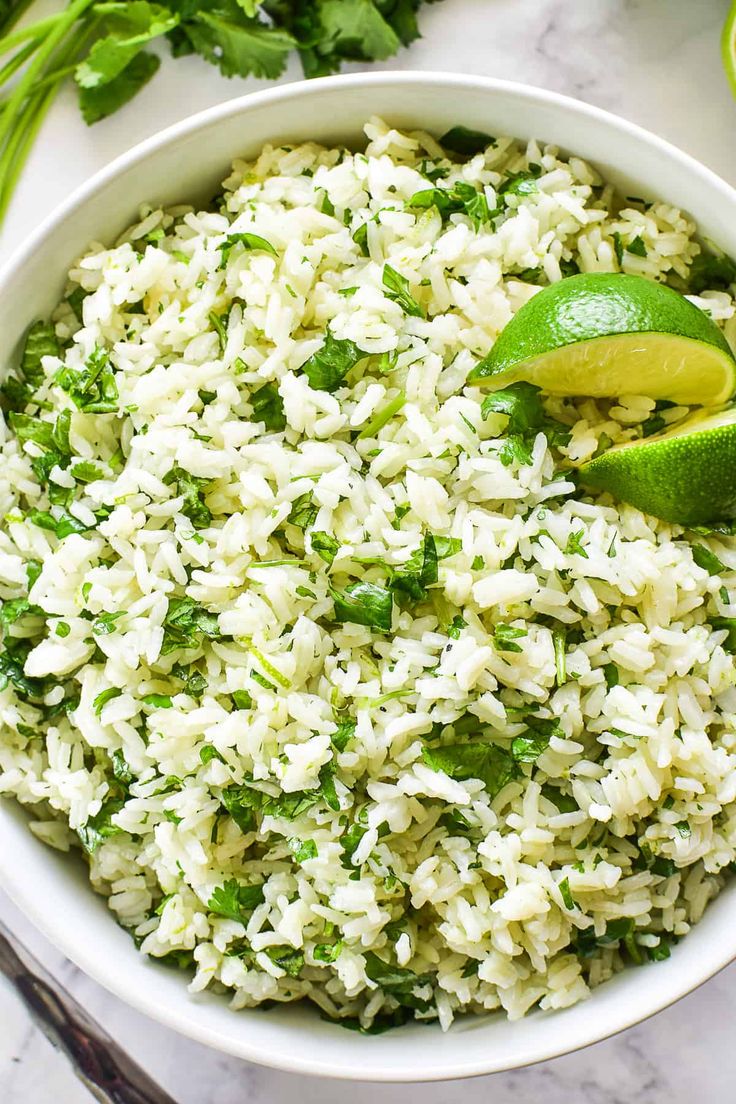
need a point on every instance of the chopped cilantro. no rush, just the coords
(157, 701)
(191, 489)
(268, 407)
(92, 389)
(711, 272)
(187, 624)
(461, 139)
(302, 850)
(326, 369)
(637, 246)
(574, 546)
(505, 637)
(250, 242)
(397, 982)
(492, 764)
(106, 623)
(396, 287)
(242, 699)
(564, 888)
(343, 734)
(383, 415)
(291, 962)
(235, 900)
(104, 697)
(325, 545)
(100, 827)
(708, 560)
(364, 604)
(559, 639)
(456, 626)
(208, 753)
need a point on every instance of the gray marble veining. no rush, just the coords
(655, 62)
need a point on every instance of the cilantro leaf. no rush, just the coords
(11, 672)
(447, 546)
(492, 764)
(396, 287)
(234, 900)
(187, 624)
(521, 183)
(85, 471)
(728, 623)
(62, 524)
(460, 197)
(468, 142)
(456, 626)
(520, 402)
(325, 545)
(243, 802)
(133, 25)
(100, 827)
(637, 247)
(332, 31)
(239, 45)
(302, 850)
(419, 572)
(364, 604)
(250, 242)
(287, 959)
(191, 489)
(711, 272)
(505, 637)
(104, 697)
(303, 511)
(397, 982)
(474, 203)
(12, 611)
(327, 368)
(708, 560)
(527, 747)
(105, 99)
(343, 734)
(27, 428)
(574, 546)
(93, 388)
(41, 341)
(157, 701)
(268, 407)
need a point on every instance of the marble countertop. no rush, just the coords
(655, 62)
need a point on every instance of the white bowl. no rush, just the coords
(188, 161)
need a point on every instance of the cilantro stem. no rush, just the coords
(383, 415)
(14, 14)
(20, 145)
(23, 91)
(36, 30)
(16, 61)
(25, 108)
(560, 657)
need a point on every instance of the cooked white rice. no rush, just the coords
(180, 697)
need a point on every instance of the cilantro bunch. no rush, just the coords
(105, 47)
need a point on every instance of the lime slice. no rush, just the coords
(685, 475)
(728, 47)
(608, 335)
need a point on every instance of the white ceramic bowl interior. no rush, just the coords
(186, 163)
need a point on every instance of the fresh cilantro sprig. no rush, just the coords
(112, 49)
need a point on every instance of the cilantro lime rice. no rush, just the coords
(317, 654)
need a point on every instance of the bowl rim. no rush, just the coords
(183, 1020)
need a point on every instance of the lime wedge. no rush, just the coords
(728, 47)
(685, 475)
(609, 335)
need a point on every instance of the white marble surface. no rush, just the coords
(653, 61)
